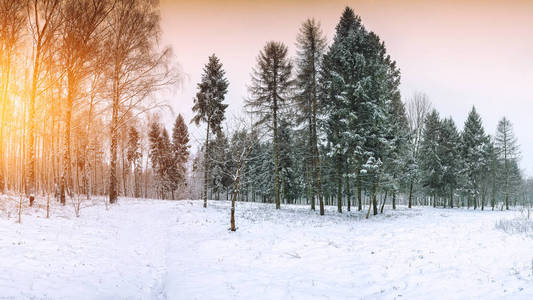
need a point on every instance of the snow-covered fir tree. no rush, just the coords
(474, 155)
(209, 107)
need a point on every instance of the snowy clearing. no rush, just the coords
(148, 249)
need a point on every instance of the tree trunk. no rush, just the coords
(348, 195)
(206, 163)
(451, 198)
(359, 200)
(30, 184)
(315, 140)
(373, 201)
(113, 195)
(339, 184)
(394, 200)
(383, 204)
(310, 164)
(276, 157)
(410, 194)
(3, 158)
(67, 169)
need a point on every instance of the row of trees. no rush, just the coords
(74, 77)
(326, 127)
(340, 134)
(169, 157)
(470, 163)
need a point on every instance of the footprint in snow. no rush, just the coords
(293, 255)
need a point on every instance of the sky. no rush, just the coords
(460, 53)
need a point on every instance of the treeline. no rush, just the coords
(75, 75)
(340, 134)
(79, 79)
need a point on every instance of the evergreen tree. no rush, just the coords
(311, 45)
(449, 153)
(169, 174)
(493, 171)
(359, 81)
(397, 162)
(430, 164)
(219, 157)
(288, 186)
(507, 151)
(180, 148)
(270, 88)
(474, 155)
(134, 158)
(155, 153)
(208, 106)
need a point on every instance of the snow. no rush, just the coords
(150, 249)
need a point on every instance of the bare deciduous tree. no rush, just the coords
(136, 68)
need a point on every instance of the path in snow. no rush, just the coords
(144, 249)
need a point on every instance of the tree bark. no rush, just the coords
(276, 157)
(339, 183)
(359, 200)
(206, 164)
(383, 204)
(410, 194)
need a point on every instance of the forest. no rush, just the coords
(334, 181)
(82, 85)
(330, 127)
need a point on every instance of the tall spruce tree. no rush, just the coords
(180, 148)
(209, 108)
(339, 76)
(311, 45)
(169, 174)
(431, 165)
(155, 153)
(449, 153)
(397, 158)
(359, 81)
(474, 155)
(270, 88)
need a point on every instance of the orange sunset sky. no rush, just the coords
(460, 53)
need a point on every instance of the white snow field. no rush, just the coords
(149, 249)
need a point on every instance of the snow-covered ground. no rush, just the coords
(148, 249)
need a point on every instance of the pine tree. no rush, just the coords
(431, 165)
(311, 45)
(492, 172)
(359, 81)
(449, 153)
(288, 186)
(270, 88)
(397, 158)
(134, 158)
(208, 106)
(155, 153)
(219, 157)
(180, 149)
(339, 76)
(474, 155)
(507, 151)
(169, 174)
